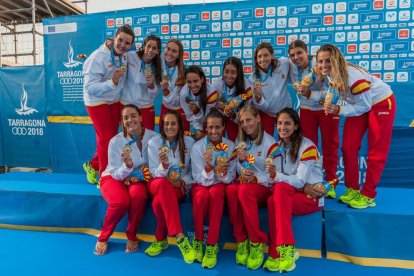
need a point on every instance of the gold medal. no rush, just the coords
(166, 78)
(307, 80)
(210, 147)
(123, 68)
(269, 161)
(165, 149)
(321, 188)
(296, 85)
(257, 83)
(242, 145)
(127, 149)
(147, 72)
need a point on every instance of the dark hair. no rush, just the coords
(298, 44)
(157, 59)
(239, 84)
(126, 29)
(202, 99)
(124, 131)
(296, 138)
(242, 134)
(274, 63)
(214, 113)
(179, 62)
(180, 134)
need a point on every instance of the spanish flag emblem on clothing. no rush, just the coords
(310, 153)
(212, 98)
(360, 87)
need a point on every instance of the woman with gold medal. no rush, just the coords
(169, 162)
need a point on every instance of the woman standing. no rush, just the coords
(104, 74)
(123, 183)
(144, 78)
(371, 107)
(296, 174)
(169, 162)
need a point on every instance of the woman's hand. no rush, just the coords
(271, 170)
(126, 158)
(304, 91)
(248, 176)
(312, 191)
(194, 108)
(241, 154)
(258, 93)
(331, 108)
(164, 160)
(208, 160)
(117, 75)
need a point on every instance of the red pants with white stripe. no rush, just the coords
(105, 119)
(268, 123)
(285, 202)
(180, 111)
(121, 199)
(311, 121)
(165, 199)
(236, 212)
(251, 197)
(208, 200)
(379, 122)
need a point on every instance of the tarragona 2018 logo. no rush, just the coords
(71, 63)
(24, 109)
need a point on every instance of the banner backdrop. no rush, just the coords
(23, 117)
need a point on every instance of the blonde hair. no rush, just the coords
(242, 134)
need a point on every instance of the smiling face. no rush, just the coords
(151, 50)
(285, 126)
(170, 127)
(299, 57)
(171, 53)
(214, 128)
(250, 124)
(324, 62)
(194, 82)
(122, 43)
(230, 75)
(131, 120)
(264, 59)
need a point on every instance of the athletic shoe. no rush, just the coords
(198, 248)
(255, 259)
(210, 258)
(362, 202)
(349, 195)
(156, 248)
(242, 252)
(331, 193)
(288, 256)
(187, 251)
(92, 175)
(272, 264)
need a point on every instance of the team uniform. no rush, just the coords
(227, 93)
(208, 191)
(288, 198)
(101, 98)
(313, 117)
(122, 198)
(197, 120)
(136, 91)
(172, 100)
(371, 107)
(244, 199)
(275, 94)
(164, 204)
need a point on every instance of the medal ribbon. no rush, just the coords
(269, 71)
(169, 72)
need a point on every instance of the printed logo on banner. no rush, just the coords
(138, 31)
(329, 8)
(256, 24)
(372, 17)
(391, 16)
(237, 25)
(222, 54)
(281, 22)
(195, 44)
(340, 19)
(385, 35)
(186, 55)
(305, 38)
(292, 38)
(299, 10)
(406, 64)
(226, 26)
(389, 64)
(353, 18)
(165, 29)
(403, 33)
(155, 19)
(391, 4)
(377, 47)
(215, 71)
(351, 48)
(244, 13)
(195, 55)
(314, 49)
(377, 75)
(175, 17)
(128, 21)
(376, 65)
(328, 20)
(226, 14)
(237, 42)
(186, 44)
(110, 23)
(205, 16)
(165, 18)
(259, 12)
(216, 15)
(405, 4)
(404, 15)
(142, 20)
(247, 53)
(203, 27)
(402, 76)
(364, 64)
(247, 69)
(119, 22)
(175, 29)
(151, 30)
(270, 23)
(365, 35)
(270, 11)
(226, 43)
(341, 7)
(359, 6)
(211, 43)
(317, 8)
(282, 11)
(396, 47)
(364, 48)
(185, 28)
(378, 4)
(237, 53)
(311, 21)
(322, 38)
(190, 17)
(268, 39)
(352, 36)
(71, 63)
(216, 27)
(24, 109)
(293, 22)
(205, 55)
(389, 77)
(206, 70)
(281, 40)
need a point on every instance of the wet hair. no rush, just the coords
(179, 62)
(242, 134)
(180, 134)
(202, 99)
(296, 138)
(124, 131)
(239, 83)
(274, 63)
(126, 29)
(157, 59)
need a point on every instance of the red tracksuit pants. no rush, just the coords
(268, 123)
(208, 200)
(122, 198)
(165, 207)
(148, 117)
(285, 202)
(379, 122)
(250, 198)
(180, 111)
(232, 129)
(105, 119)
(311, 121)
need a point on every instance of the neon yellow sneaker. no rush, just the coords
(198, 248)
(362, 202)
(272, 264)
(331, 193)
(255, 259)
(187, 251)
(242, 252)
(348, 195)
(91, 173)
(156, 248)
(210, 258)
(288, 257)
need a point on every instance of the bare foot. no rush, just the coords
(100, 248)
(131, 246)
